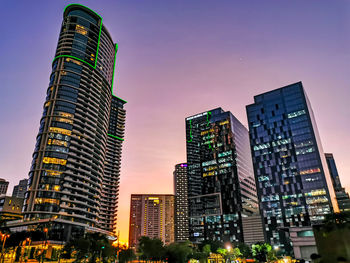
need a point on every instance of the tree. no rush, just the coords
(151, 248)
(178, 252)
(126, 255)
(245, 250)
(260, 251)
(90, 248)
(222, 251)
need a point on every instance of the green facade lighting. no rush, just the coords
(121, 139)
(191, 135)
(208, 114)
(115, 58)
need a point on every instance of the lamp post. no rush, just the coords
(103, 247)
(46, 230)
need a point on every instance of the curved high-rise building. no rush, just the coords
(74, 176)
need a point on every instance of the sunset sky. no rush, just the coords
(177, 58)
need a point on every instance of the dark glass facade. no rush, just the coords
(181, 202)
(70, 179)
(340, 192)
(294, 186)
(221, 187)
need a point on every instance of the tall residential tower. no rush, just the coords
(221, 186)
(181, 202)
(74, 175)
(294, 186)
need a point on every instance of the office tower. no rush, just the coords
(151, 216)
(3, 186)
(221, 187)
(20, 189)
(294, 186)
(73, 179)
(181, 202)
(340, 193)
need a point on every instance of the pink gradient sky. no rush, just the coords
(176, 59)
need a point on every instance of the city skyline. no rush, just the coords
(315, 54)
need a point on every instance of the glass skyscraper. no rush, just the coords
(221, 186)
(294, 186)
(74, 175)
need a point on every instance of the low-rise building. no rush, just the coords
(303, 241)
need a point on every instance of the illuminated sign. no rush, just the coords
(198, 115)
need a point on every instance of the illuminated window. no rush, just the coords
(80, 29)
(310, 171)
(261, 146)
(54, 160)
(263, 178)
(73, 60)
(296, 114)
(52, 173)
(205, 132)
(64, 120)
(316, 192)
(60, 130)
(223, 154)
(57, 142)
(209, 163)
(305, 150)
(223, 122)
(46, 200)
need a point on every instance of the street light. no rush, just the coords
(103, 247)
(46, 230)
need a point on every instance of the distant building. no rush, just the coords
(10, 208)
(294, 186)
(3, 186)
(221, 186)
(181, 202)
(20, 189)
(151, 216)
(340, 193)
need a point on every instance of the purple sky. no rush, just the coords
(175, 59)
